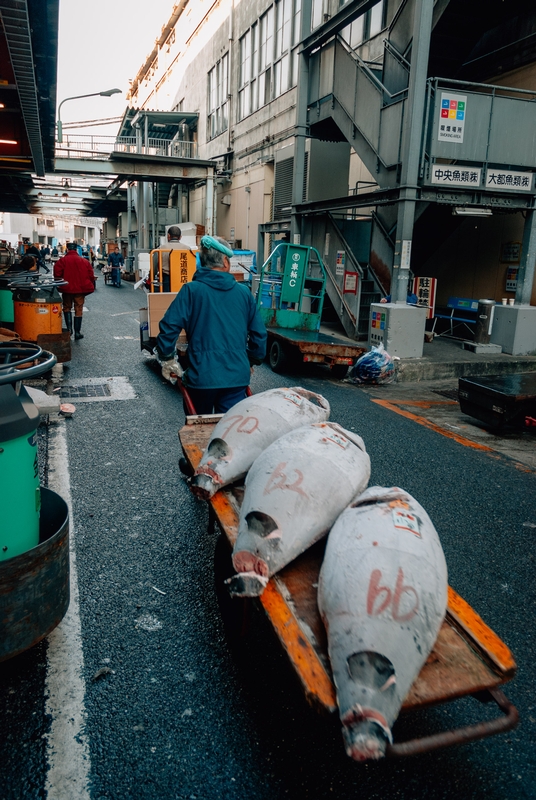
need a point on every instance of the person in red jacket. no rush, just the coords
(80, 278)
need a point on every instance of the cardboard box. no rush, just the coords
(157, 305)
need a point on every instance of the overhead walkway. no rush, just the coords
(152, 147)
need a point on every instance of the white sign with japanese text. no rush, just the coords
(506, 179)
(452, 112)
(447, 175)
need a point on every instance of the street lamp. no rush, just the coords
(107, 93)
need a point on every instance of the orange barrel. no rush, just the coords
(37, 310)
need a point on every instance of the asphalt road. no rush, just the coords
(177, 712)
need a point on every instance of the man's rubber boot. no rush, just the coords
(77, 326)
(68, 317)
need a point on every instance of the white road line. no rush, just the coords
(67, 745)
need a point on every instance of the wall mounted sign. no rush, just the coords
(452, 112)
(447, 175)
(350, 282)
(511, 279)
(511, 252)
(340, 261)
(507, 179)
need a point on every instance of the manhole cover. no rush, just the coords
(94, 390)
(451, 394)
(87, 390)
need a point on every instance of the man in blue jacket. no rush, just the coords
(116, 261)
(226, 336)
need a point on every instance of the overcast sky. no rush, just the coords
(102, 44)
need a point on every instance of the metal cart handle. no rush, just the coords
(470, 733)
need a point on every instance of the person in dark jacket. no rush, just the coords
(226, 336)
(116, 261)
(80, 278)
(34, 251)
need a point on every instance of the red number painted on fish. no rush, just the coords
(242, 424)
(279, 480)
(389, 597)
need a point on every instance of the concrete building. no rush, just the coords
(397, 138)
(50, 229)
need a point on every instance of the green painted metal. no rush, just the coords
(21, 498)
(6, 305)
(294, 274)
(292, 287)
(292, 320)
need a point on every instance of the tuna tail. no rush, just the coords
(203, 486)
(366, 732)
(366, 739)
(246, 584)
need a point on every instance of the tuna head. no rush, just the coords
(207, 480)
(366, 732)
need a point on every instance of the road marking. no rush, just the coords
(123, 313)
(391, 405)
(67, 746)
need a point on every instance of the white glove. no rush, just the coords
(170, 368)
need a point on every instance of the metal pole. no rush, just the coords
(209, 203)
(411, 145)
(300, 134)
(145, 215)
(146, 133)
(129, 222)
(153, 217)
(525, 275)
(156, 217)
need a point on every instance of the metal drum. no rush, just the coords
(37, 310)
(34, 586)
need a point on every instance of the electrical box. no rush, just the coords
(400, 328)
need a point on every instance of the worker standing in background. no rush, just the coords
(116, 261)
(80, 278)
(226, 335)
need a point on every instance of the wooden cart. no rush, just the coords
(468, 657)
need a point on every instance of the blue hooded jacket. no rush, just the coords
(224, 329)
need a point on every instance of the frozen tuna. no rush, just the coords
(382, 595)
(294, 492)
(250, 427)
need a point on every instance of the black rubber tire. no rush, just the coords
(279, 357)
(339, 371)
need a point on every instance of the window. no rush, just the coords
(266, 49)
(375, 19)
(268, 56)
(366, 26)
(218, 90)
(317, 15)
(244, 82)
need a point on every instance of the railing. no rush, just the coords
(337, 74)
(100, 148)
